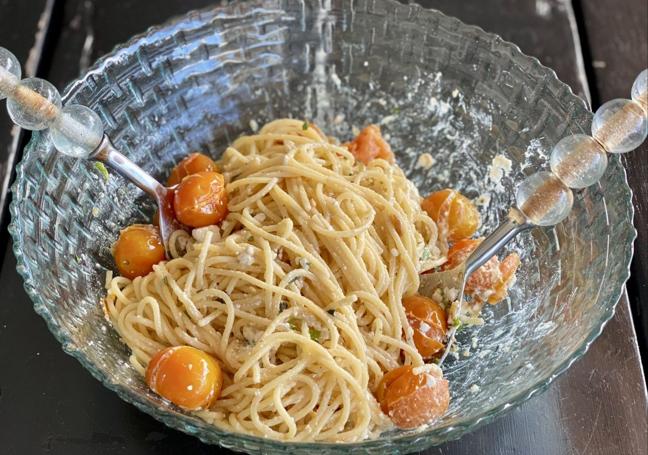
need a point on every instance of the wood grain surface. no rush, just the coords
(50, 404)
(617, 37)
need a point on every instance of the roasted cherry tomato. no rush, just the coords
(412, 397)
(186, 376)
(200, 199)
(491, 281)
(454, 212)
(191, 164)
(429, 323)
(369, 145)
(137, 250)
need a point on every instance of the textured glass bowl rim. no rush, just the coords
(240, 441)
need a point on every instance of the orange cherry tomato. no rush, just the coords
(191, 164)
(454, 212)
(186, 376)
(369, 145)
(137, 250)
(412, 397)
(491, 281)
(429, 323)
(200, 199)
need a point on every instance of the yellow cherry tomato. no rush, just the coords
(191, 164)
(454, 212)
(200, 199)
(412, 397)
(137, 250)
(186, 376)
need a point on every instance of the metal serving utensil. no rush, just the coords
(457, 277)
(544, 199)
(163, 195)
(76, 131)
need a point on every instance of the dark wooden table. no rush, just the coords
(50, 404)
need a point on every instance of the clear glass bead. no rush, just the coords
(640, 89)
(620, 125)
(77, 131)
(30, 111)
(578, 160)
(544, 199)
(11, 65)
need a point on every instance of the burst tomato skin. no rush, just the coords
(412, 398)
(491, 281)
(428, 320)
(369, 145)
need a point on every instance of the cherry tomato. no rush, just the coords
(454, 211)
(369, 145)
(186, 376)
(491, 281)
(412, 397)
(191, 164)
(200, 199)
(137, 250)
(429, 323)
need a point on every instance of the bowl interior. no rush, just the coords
(434, 85)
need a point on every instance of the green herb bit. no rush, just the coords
(456, 322)
(314, 334)
(102, 170)
(305, 125)
(283, 306)
(294, 323)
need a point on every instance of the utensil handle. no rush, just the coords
(505, 232)
(75, 130)
(578, 161)
(35, 104)
(107, 153)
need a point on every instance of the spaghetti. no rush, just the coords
(297, 293)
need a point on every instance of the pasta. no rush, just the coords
(299, 280)
(297, 292)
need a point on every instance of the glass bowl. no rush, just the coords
(434, 84)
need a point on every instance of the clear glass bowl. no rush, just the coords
(435, 84)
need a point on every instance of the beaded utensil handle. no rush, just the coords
(76, 131)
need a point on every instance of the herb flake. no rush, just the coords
(426, 254)
(305, 125)
(102, 170)
(293, 323)
(314, 334)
